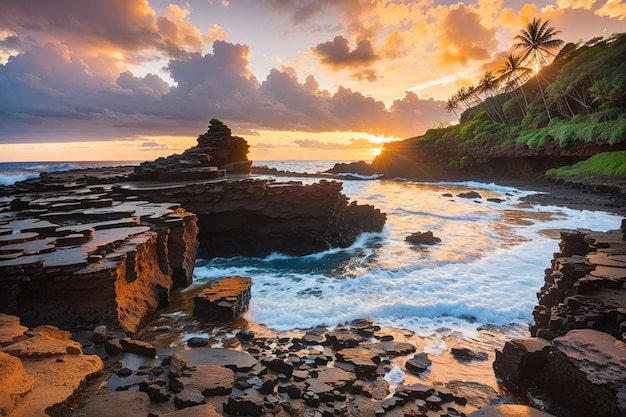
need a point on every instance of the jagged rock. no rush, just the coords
(14, 383)
(216, 152)
(188, 399)
(113, 347)
(224, 300)
(177, 364)
(157, 393)
(425, 238)
(521, 360)
(465, 354)
(100, 253)
(587, 370)
(509, 410)
(138, 347)
(340, 338)
(474, 393)
(255, 217)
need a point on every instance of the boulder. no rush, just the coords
(587, 370)
(224, 300)
(521, 360)
(209, 380)
(138, 347)
(423, 238)
(418, 363)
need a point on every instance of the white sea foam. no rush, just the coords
(486, 270)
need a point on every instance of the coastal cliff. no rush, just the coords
(107, 246)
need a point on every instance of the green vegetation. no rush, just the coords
(605, 163)
(579, 97)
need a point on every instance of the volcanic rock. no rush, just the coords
(418, 363)
(115, 404)
(587, 370)
(209, 380)
(521, 360)
(138, 347)
(224, 300)
(425, 238)
(217, 151)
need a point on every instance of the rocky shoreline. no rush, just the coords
(101, 251)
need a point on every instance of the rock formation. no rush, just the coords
(253, 217)
(90, 247)
(581, 311)
(40, 369)
(216, 153)
(84, 257)
(224, 300)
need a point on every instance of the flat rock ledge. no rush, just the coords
(577, 352)
(41, 369)
(224, 300)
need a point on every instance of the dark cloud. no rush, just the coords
(10, 42)
(338, 55)
(47, 90)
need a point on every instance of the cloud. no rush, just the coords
(91, 27)
(46, 88)
(337, 53)
(464, 38)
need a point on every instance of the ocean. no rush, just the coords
(484, 274)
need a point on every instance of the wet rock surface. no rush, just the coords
(578, 354)
(224, 300)
(287, 376)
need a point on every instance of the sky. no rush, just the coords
(298, 79)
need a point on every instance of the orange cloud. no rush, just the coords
(464, 38)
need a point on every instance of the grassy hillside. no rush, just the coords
(585, 101)
(605, 164)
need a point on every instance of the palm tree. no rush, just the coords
(537, 41)
(514, 74)
(489, 85)
(452, 104)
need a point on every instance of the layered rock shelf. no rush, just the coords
(577, 352)
(106, 246)
(224, 300)
(254, 217)
(86, 257)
